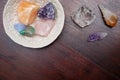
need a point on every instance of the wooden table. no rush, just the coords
(70, 57)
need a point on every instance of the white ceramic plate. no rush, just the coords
(10, 18)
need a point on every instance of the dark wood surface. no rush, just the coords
(70, 57)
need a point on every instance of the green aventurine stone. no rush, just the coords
(22, 32)
(29, 31)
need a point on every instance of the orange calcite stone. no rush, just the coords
(27, 12)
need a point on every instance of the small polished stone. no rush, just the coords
(19, 27)
(29, 31)
(22, 32)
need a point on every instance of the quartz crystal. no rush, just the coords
(84, 16)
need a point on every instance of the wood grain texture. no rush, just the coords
(70, 57)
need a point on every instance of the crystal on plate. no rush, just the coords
(43, 27)
(47, 12)
(27, 12)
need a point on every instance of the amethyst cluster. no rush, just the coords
(47, 12)
(97, 36)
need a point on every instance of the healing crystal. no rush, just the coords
(97, 36)
(44, 27)
(109, 17)
(29, 31)
(27, 12)
(83, 16)
(47, 12)
(19, 27)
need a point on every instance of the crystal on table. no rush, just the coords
(109, 17)
(84, 16)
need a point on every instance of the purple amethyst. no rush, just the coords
(47, 12)
(97, 36)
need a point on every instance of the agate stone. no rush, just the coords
(29, 31)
